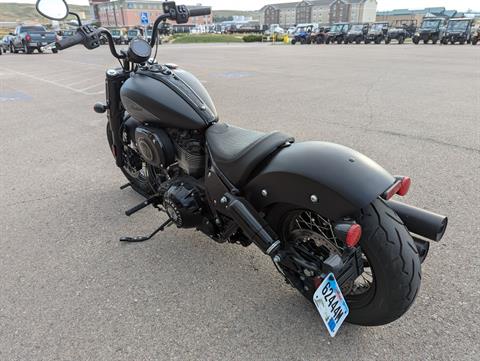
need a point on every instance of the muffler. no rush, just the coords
(426, 224)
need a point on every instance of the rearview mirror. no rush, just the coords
(53, 9)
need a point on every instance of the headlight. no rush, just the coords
(417, 34)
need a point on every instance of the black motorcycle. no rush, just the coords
(322, 212)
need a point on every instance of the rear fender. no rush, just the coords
(330, 179)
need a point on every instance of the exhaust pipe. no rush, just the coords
(426, 224)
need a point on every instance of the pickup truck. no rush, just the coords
(28, 38)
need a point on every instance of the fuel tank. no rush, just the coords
(168, 98)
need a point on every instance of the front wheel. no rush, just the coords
(136, 173)
(392, 273)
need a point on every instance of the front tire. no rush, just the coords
(138, 180)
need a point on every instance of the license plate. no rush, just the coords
(331, 304)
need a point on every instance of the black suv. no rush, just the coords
(377, 33)
(458, 31)
(338, 33)
(357, 33)
(431, 29)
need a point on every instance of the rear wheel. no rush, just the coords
(391, 277)
(401, 40)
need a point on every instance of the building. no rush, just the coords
(404, 16)
(319, 11)
(126, 13)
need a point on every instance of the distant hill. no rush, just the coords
(225, 15)
(14, 12)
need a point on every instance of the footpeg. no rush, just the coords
(125, 186)
(142, 205)
(146, 238)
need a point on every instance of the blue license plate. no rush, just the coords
(331, 304)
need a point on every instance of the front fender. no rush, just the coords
(339, 178)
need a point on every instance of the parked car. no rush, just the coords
(30, 38)
(377, 33)
(432, 29)
(303, 34)
(458, 30)
(338, 33)
(291, 30)
(319, 35)
(400, 33)
(134, 33)
(5, 44)
(66, 33)
(275, 29)
(357, 34)
(166, 29)
(119, 36)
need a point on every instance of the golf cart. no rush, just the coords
(357, 34)
(431, 29)
(303, 34)
(338, 33)
(475, 35)
(400, 32)
(458, 30)
(377, 33)
(319, 35)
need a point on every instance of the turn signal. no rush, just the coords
(353, 235)
(400, 187)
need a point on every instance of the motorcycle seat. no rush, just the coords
(237, 151)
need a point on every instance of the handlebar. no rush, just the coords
(200, 11)
(66, 43)
(89, 36)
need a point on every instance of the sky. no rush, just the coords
(460, 5)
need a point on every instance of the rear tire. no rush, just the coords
(391, 255)
(394, 259)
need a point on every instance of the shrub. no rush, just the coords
(252, 38)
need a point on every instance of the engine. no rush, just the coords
(153, 144)
(183, 203)
(190, 151)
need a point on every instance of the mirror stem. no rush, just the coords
(78, 18)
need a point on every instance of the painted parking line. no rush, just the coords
(48, 81)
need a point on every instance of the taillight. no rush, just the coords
(405, 186)
(28, 37)
(400, 187)
(348, 232)
(353, 235)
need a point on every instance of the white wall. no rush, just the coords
(369, 11)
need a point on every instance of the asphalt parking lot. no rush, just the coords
(70, 291)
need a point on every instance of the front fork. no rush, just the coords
(115, 111)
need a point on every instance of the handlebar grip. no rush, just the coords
(199, 10)
(70, 41)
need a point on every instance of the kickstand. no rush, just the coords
(146, 238)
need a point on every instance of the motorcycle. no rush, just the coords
(322, 212)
